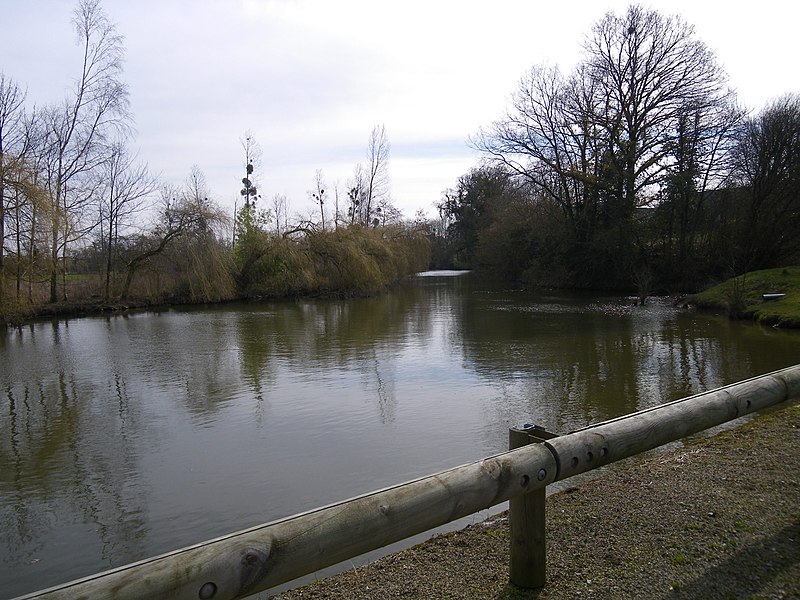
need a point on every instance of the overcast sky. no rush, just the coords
(310, 78)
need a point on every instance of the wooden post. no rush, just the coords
(526, 520)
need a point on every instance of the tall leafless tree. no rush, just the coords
(280, 212)
(252, 162)
(245, 218)
(768, 166)
(182, 212)
(702, 158)
(535, 139)
(318, 194)
(650, 70)
(78, 131)
(608, 138)
(126, 189)
(30, 204)
(376, 180)
(12, 151)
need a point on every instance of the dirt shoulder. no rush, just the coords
(717, 518)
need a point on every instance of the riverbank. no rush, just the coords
(742, 297)
(716, 518)
(66, 310)
(739, 298)
(14, 316)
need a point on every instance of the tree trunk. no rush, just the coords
(2, 239)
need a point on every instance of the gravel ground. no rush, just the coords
(717, 518)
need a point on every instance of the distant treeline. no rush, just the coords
(637, 170)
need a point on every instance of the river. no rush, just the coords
(127, 436)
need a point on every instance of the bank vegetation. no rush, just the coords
(85, 226)
(636, 171)
(771, 297)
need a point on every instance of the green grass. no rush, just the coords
(741, 297)
(678, 559)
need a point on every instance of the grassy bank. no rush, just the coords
(345, 262)
(742, 297)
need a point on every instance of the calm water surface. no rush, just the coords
(125, 437)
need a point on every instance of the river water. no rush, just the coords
(128, 436)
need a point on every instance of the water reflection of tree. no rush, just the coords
(566, 363)
(210, 376)
(190, 355)
(317, 336)
(255, 341)
(706, 351)
(64, 484)
(381, 378)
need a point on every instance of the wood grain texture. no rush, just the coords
(260, 558)
(638, 432)
(526, 517)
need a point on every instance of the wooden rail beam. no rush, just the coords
(256, 559)
(632, 434)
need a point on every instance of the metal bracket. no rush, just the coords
(536, 433)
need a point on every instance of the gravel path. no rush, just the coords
(717, 518)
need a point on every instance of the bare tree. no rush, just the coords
(319, 195)
(12, 150)
(280, 211)
(30, 205)
(244, 218)
(768, 166)
(620, 110)
(551, 137)
(387, 213)
(376, 180)
(701, 162)
(611, 136)
(356, 195)
(252, 162)
(127, 186)
(181, 213)
(77, 132)
(337, 217)
(650, 70)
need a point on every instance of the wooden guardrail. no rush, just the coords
(256, 559)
